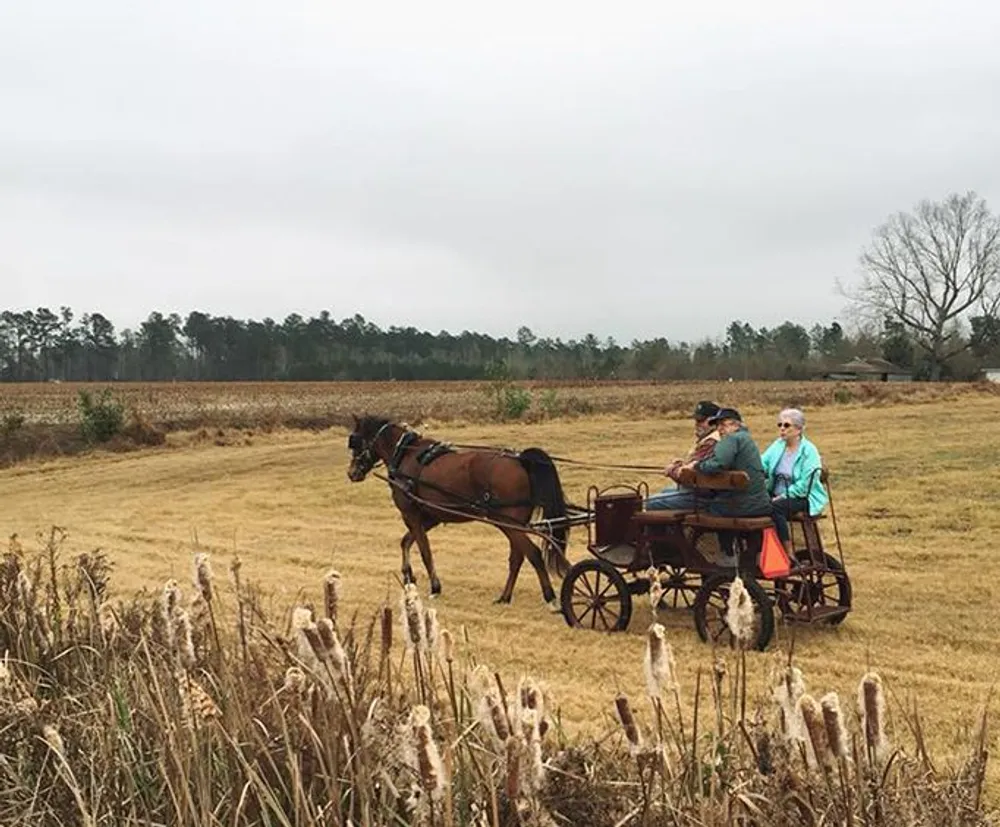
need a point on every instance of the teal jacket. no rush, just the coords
(805, 480)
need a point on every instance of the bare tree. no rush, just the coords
(929, 270)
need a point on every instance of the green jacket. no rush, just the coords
(806, 469)
(738, 452)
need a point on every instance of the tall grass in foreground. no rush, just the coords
(174, 708)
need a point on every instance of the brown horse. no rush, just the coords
(495, 485)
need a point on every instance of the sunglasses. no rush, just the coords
(785, 425)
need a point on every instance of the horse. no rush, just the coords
(433, 483)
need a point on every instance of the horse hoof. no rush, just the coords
(501, 600)
(554, 606)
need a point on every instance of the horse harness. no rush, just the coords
(408, 483)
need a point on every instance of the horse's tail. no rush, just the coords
(547, 492)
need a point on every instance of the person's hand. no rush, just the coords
(672, 467)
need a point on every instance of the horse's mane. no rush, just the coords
(370, 424)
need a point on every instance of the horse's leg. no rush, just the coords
(405, 544)
(514, 562)
(420, 535)
(534, 555)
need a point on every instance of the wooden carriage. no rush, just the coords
(689, 559)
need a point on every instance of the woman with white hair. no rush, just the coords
(792, 464)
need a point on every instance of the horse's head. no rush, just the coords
(363, 443)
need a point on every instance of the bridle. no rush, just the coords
(365, 458)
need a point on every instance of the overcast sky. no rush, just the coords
(627, 169)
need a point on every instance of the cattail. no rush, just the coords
(532, 768)
(872, 706)
(659, 662)
(326, 632)
(386, 629)
(295, 681)
(301, 617)
(428, 756)
(836, 735)
(448, 645)
(414, 632)
(718, 672)
(513, 768)
(812, 717)
(331, 593)
(431, 629)
(183, 638)
(334, 650)
(302, 621)
(655, 588)
(496, 716)
(203, 576)
(54, 740)
(311, 634)
(765, 763)
(787, 694)
(25, 588)
(532, 697)
(171, 598)
(739, 612)
(628, 724)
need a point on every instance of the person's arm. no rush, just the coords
(722, 457)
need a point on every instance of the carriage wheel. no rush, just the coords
(595, 596)
(680, 587)
(710, 612)
(814, 593)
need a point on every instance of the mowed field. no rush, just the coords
(916, 489)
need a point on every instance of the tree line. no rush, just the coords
(43, 345)
(928, 301)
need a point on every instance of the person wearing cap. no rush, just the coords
(735, 451)
(706, 436)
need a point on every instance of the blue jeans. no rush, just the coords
(672, 499)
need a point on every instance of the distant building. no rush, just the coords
(870, 370)
(990, 374)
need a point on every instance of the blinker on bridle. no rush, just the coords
(365, 451)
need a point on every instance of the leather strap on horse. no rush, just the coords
(525, 527)
(566, 460)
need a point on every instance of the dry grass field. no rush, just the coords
(915, 486)
(186, 405)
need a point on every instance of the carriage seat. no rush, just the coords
(665, 517)
(717, 523)
(802, 517)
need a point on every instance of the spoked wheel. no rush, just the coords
(710, 613)
(822, 596)
(680, 587)
(595, 596)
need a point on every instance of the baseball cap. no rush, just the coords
(726, 413)
(705, 409)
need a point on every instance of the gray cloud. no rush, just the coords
(577, 169)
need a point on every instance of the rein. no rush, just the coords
(566, 460)
(525, 527)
